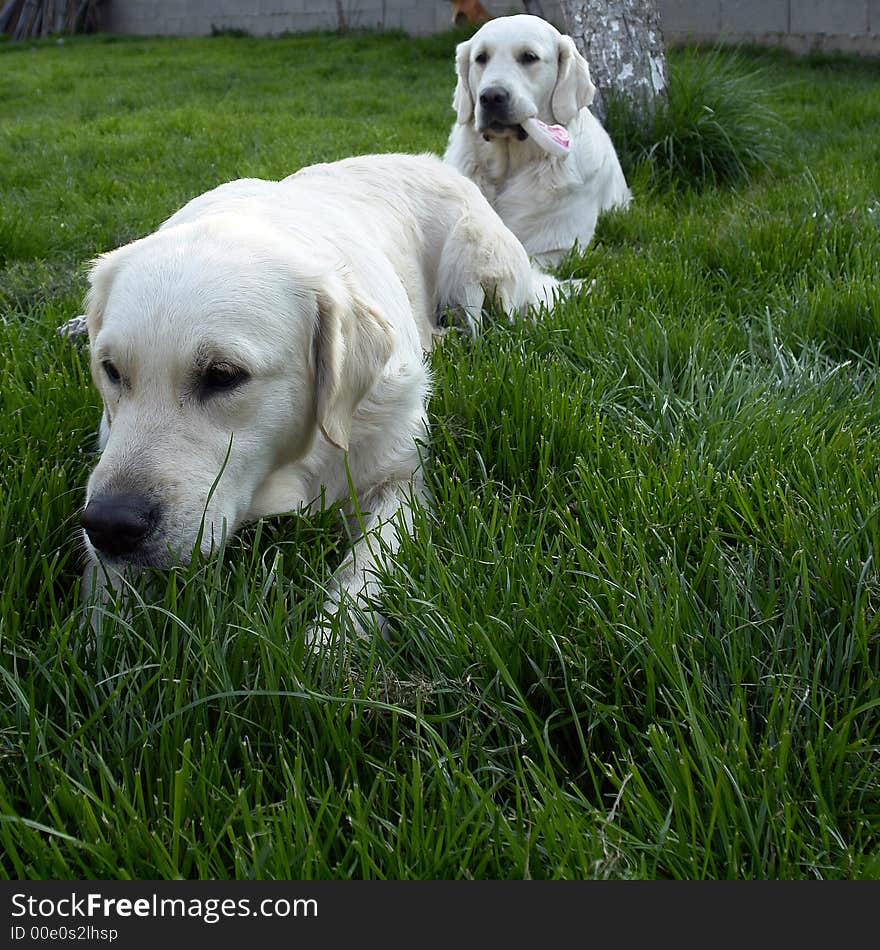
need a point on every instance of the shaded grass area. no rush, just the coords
(638, 634)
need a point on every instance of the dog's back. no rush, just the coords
(391, 205)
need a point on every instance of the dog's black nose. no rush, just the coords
(494, 98)
(116, 524)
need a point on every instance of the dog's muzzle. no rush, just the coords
(495, 117)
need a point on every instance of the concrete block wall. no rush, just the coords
(800, 25)
(271, 17)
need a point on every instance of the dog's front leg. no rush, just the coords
(383, 517)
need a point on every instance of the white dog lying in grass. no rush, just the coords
(517, 76)
(264, 348)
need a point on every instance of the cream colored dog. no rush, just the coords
(512, 70)
(264, 348)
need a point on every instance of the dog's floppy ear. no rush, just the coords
(352, 344)
(102, 270)
(462, 100)
(574, 88)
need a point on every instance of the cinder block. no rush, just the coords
(416, 21)
(167, 10)
(374, 16)
(325, 20)
(204, 24)
(230, 8)
(372, 20)
(227, 21)
(165, 26)
(442, 17)
(685, 16)
(754, 16)
(829, 16)
(279, 23)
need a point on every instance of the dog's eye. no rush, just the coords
(528, 57)
(221, 377)
(481, 58)
(112, 372)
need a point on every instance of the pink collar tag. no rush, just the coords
(554, 139)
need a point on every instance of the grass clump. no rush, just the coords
(717, 125)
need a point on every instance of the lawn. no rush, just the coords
(637, 636)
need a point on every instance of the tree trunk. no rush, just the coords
(28, 19)
(534, 7)
(623, 43)
(341, 17)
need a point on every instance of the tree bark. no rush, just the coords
(623, 43)
(28, 19)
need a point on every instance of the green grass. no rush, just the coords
(638, 634)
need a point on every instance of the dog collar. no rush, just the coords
(554, 139)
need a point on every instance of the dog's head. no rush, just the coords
(517, 67)
(219, 356)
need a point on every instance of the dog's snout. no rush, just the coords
(117, 524)
(494, 98)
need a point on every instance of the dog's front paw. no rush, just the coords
(75, 327)
(343, 617)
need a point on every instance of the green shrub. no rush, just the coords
(717, 126)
